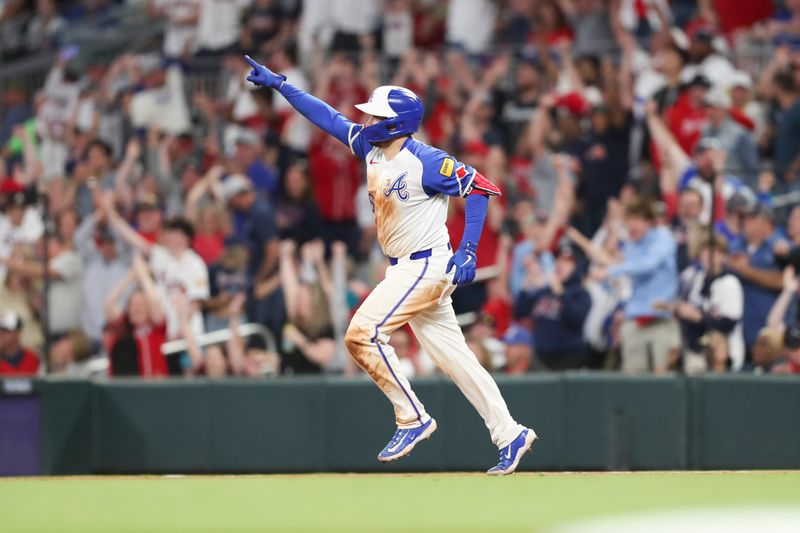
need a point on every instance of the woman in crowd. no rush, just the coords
(296, 214)
(136, 333)
(308, 337)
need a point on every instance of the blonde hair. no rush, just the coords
(319, 319)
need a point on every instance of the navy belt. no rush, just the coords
(422, 254)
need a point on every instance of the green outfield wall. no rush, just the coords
(586, 421)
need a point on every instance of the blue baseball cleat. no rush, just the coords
(511, 454)
(404, 441)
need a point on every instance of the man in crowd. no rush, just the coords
(650, 336)
(740, 147)
(519, 350)
(787, 135)
(14, 359)
(254, 223)
(558, 310)
(755, 265)
(105, 263)
(66, 276)
(19, 222)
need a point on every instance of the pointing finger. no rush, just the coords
(252, 62)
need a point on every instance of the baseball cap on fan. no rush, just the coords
(760, 210)
(707, 143)
(148, 202)
(717, 97)
(516, 334)
(10, 321)
(742, 79)
(12, 193)
(738, 204)
(235, 185)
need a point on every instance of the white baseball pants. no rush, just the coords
(411, 293)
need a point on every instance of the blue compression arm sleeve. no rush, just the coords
(325, 117)
(474, 216)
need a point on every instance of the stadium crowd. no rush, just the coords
(649, 160)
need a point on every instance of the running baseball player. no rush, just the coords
(409, 184)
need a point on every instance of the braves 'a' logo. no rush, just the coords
(399, 186)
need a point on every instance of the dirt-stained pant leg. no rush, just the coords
(438, 332)
(409, 288)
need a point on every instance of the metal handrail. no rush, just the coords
(251, 329)
(786, 199)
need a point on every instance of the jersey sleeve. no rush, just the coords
(327, 119)
(197, 281)
(443, 174)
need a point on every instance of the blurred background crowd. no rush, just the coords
(155, 205)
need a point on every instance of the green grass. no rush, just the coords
(354, 503)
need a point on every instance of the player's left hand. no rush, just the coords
(261, 75)
(464, 261)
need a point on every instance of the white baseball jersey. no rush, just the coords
(188, 276)
(28, 232)
(409, 196)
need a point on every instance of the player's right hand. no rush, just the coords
(261, 75)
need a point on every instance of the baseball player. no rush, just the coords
(409, 184)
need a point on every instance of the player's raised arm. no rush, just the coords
(318, 112)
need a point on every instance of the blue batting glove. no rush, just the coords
(261, 75)
(464, 262)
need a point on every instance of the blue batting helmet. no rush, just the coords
(402, 111)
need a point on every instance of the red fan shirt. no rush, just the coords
(23, 363)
